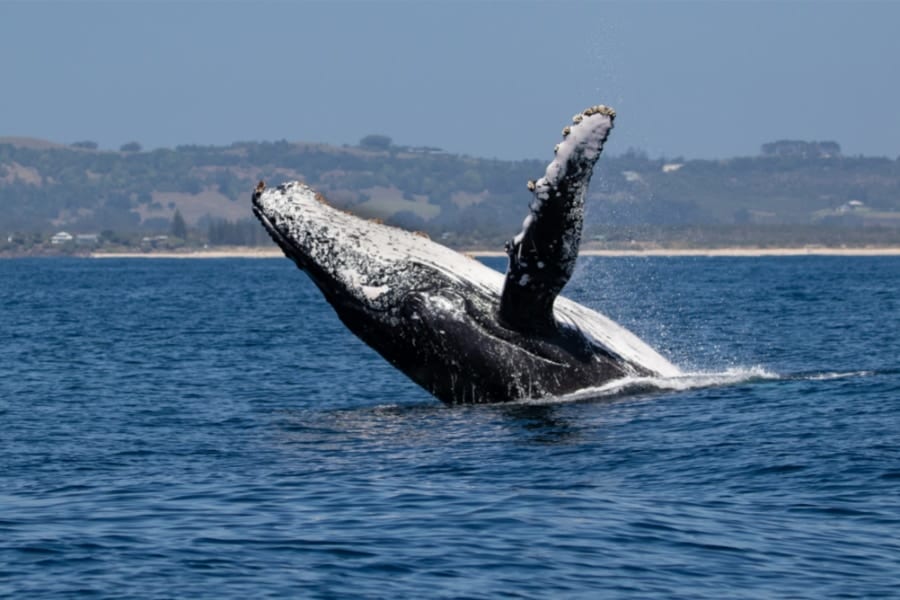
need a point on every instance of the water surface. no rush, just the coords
(209, 429)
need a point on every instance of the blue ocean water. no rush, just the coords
(209, 429)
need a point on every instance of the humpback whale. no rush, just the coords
(464, 332)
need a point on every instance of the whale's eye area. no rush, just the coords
(412, 306)
(431, 303)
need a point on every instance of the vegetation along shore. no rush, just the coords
(78, 199)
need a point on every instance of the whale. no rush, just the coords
(463, 331)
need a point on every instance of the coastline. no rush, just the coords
(230, 252)
(257, 253)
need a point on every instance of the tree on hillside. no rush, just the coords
(245, 232)
(86, 145)
(179, 227)
(130, 147)
(376, 141)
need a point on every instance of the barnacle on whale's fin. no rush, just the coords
(542, 256)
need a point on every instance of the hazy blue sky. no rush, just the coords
(701, 79)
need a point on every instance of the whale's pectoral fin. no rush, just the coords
(542, 256)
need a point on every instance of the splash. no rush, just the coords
(629, 386)
(634, 386)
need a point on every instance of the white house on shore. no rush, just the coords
(64, 237)
(61, 238)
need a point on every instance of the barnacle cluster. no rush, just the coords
(600, 109)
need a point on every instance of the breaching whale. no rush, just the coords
(461, 330)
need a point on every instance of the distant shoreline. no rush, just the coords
(670, 252)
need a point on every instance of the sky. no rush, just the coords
(489, 79)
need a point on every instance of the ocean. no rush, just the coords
(209, 429)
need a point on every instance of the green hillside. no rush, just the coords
(793, 191)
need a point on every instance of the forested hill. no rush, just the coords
(46, 187)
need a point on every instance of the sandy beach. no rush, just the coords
(237, 252)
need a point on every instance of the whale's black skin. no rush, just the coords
(457, 328)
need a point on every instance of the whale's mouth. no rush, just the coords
(259, 212)
(279, 238)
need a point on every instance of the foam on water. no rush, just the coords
(687, 381)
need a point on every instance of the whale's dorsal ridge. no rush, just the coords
(542, 256)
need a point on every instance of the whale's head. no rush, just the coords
(334, 248)
(359, 265)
